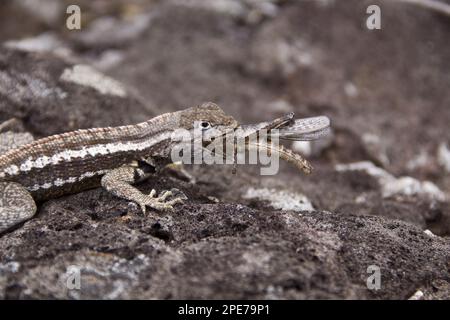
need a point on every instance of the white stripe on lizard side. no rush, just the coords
(60, 182)
(68, 155)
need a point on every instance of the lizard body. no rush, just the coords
(115, 157)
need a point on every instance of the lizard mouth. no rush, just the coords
(265, 136)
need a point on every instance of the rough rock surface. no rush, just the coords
(244, 235)
(49, 95)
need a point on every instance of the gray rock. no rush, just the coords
(213, 251)
(32, 88)
(225, 242)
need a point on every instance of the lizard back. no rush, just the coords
(57, 165)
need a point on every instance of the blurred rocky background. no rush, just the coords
(379, 194)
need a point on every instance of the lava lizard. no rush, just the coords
(118, 157)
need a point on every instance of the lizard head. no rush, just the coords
(208, 118)
(197, 128)
(215, 126)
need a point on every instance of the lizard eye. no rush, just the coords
(205, 125)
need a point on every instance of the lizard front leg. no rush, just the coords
(16, 205)
(119, 182)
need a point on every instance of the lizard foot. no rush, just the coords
(16, 205)
(162, 202)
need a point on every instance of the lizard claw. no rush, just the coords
(161, 202)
